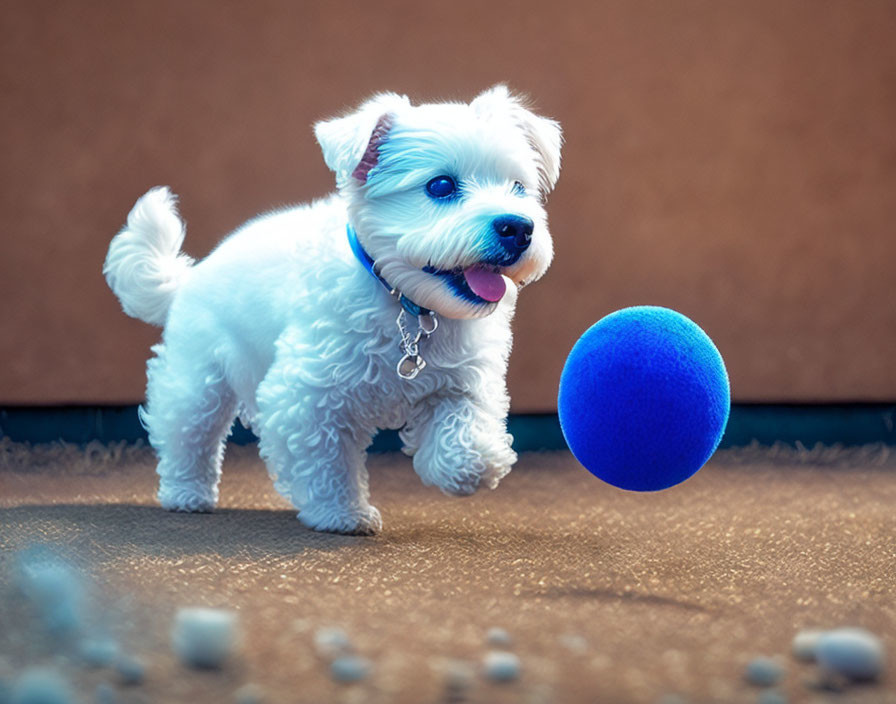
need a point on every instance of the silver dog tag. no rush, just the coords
(410, 366)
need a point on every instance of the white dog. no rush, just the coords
(386, 305)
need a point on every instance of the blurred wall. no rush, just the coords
(735, 161)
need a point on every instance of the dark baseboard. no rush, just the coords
(808, 424)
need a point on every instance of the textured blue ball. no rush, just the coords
(644, 398)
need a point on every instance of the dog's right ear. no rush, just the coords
(543, 134)
(349, 143)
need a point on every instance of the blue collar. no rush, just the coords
(367, 262)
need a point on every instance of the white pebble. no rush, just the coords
(249, 694)
(55, 588)
(852, 652)
(331, 642)
(41, 686)
(204, 637)
(772, 696)
(350, 668)
(763, 671)
(803, 645)
(498, 636)
(501, 667)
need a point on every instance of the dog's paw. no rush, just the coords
(329, 519)
(496, 471)
(498, 463)
(494, 475)
(187, 500)
(465, 474)
(461, 484)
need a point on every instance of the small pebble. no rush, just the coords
(350, 668)
(130, 670)
(331, 642)
(40, 685)
(763, 671)
(249, 694)
(852, 652)
(499, 637)
(803, 645)
(772, 696)
(98, 652)
(55, 589)
(204, 637)
(105, 694)
(501, 667)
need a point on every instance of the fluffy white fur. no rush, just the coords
(282, 325)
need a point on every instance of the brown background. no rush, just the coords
(735, 161)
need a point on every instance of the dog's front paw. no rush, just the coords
(461, 484)
(461, 473)
(494, 474)
(499, 459)
(365, 520)
(186, 499)
(498, 466)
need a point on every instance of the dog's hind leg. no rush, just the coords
(189, 411)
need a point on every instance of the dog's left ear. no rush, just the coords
(348, 141)
(545, 135)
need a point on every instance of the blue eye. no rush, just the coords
(441, 187)
(518, 188)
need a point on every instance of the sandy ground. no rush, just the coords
(609, 596)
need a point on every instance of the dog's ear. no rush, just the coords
(543, 134)
(349, 143)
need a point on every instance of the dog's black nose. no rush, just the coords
(515, 232)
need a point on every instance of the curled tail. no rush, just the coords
(144, 266)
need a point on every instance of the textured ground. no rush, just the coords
(609, 596)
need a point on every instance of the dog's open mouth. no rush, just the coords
(480, 283)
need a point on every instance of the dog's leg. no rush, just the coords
(320, 467)
(189, 411)
(460, 442)
(314, 450)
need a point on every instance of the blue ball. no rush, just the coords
(644, 398)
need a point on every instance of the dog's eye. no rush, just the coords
(441, 187)
(518, 188)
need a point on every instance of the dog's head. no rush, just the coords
(448, 198)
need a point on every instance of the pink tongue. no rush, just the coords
(485, 284)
